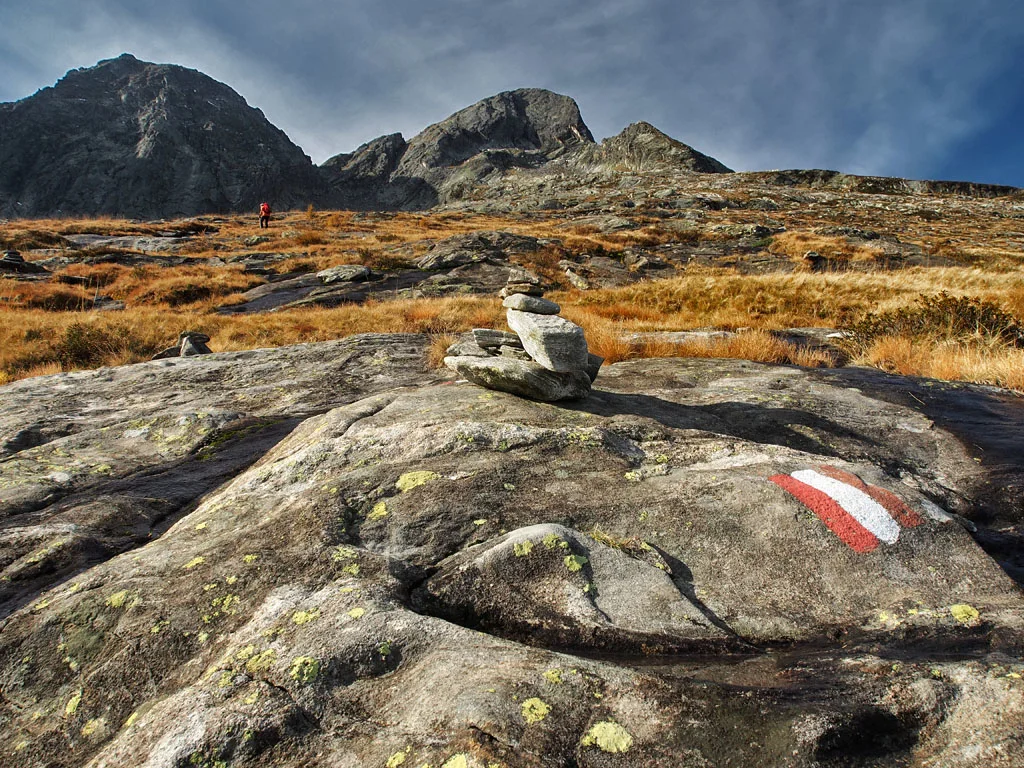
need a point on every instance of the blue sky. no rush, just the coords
(915, 88)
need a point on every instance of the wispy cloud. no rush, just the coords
(870, 87)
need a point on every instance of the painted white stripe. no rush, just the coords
(861, 507)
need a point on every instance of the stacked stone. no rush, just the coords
(546, 358)
(13, 261)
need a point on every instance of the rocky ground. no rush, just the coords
(331, 554)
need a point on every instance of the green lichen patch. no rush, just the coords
(261, 662)
(159, 627)
(411, 480)
(250, 559)
(967, 615)
(575, 562)
(522, 548)
(553, 676)
(460, 760)
(357, 613)
(119, 599)
(72, 706)
(608, 736)
(227, 604)
(195, 561)
(480, 521)
(341, 554)
(304, 670)
(94, 727)
(352, 569)
(534, 710)
(379, 511)
(552, 541)
(305, 617)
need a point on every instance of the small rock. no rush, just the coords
(526, 289)
(467, 348)
(554, 342)
(516, 353)
(14, 256)
(577, 281)
(488, 338)
(534, 304)
(594, 363)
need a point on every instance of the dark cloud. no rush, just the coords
(919, 88)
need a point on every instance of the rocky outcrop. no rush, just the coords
(279, 557)
(641, 146)
(136, 139)
(521, 127)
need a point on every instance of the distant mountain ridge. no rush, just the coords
(131, 138)
(137, 139)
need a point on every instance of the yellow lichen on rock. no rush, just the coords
(456, 761)
(608, 736)
(411, 480)
(72, 706)
(965, 614)
(379, 511)
(194, 562)
(398, 758)
(118, 599)
(305, 669)
(535, 710)
(522, 549)
(305, 617)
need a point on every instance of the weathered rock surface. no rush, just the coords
(461, 250)
(554, 342)
(346, 273)
(303, 600)
(137, 139)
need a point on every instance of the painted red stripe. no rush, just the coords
(839, 521)
(900, 512)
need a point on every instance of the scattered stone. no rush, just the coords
(346, 273)
(516, 353)
(534, 304)
(190, 344)
(554, 342)
(577, 281)
(594, 363)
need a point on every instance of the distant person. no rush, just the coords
(264, 215)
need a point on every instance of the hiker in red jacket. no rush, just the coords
(264, 215)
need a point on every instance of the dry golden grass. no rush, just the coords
(996, 365)
(163, 301)
(794, 244)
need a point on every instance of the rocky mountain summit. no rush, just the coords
(333, 554)
(135, 139)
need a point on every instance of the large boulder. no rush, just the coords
(520, 377)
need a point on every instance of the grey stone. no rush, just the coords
(527, 289)
(467, 348)
(532, 304)
(13, 256)
(345, 273)
(594, 363)
(516, 353)
(194, 345)
(577, 281)
(552, 341)
(487, 338)
(521, 377)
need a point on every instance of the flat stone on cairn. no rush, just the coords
(545, 359)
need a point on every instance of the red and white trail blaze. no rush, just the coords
(861, 515)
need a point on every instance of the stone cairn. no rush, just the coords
(546, 358)
(13, 261)
(190, 343)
